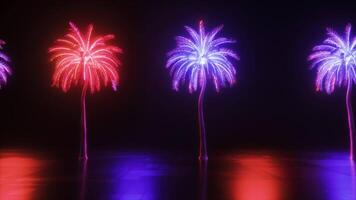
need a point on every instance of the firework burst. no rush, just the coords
(85, 58)
(202, 57)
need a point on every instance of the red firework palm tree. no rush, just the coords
(86, 60)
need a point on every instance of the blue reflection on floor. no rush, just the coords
(336, 174)
(136, 178)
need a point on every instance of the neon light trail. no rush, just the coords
(87, 60)
(5, 70)
(198, 59)
(335, 60)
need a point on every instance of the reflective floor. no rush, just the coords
(158, 176)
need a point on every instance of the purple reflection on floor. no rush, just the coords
(335, 173)
(137, 178)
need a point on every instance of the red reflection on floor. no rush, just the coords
(19, 174)
(257, 178)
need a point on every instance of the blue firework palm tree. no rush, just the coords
(198, 59)
(335, 60)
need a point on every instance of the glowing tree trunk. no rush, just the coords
(350, 117)
(203, 179)
(203, 152)
(84, 153)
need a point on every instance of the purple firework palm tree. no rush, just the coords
(200, 58)
(335, 60)
(5, 70)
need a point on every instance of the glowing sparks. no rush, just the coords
(335, 60)
(5, 70)
(85, 58)
(202, 57)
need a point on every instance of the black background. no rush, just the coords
(273, 105)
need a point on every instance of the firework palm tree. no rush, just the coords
(86, 60)
(335, 60)
(5, 70)
(196, 60)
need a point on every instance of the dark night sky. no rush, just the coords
(273, 105)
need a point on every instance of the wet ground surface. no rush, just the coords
(162, 176)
